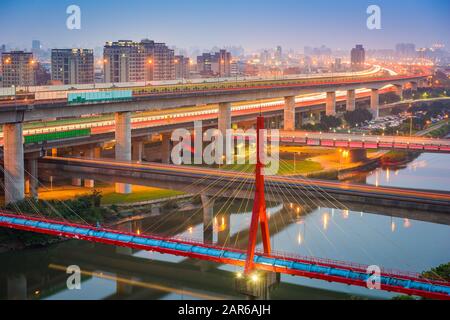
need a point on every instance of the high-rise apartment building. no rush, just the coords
(36, 46)
(279, 53)
(215, 64)
(131, 61)
(18, 69)
(358, 57)
(182, 67)
(73, 66)
(406, 50)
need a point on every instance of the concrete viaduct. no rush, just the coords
(12, 117)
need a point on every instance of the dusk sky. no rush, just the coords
(251, 24)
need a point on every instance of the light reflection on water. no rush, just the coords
(428, 171)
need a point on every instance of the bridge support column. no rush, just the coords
(13, 162)
(123, 145)
(17, 287)
(223, 234)
(138, 148)
(351, 100)
(354, 155)
(375, 103)
(33, 179)
(166, 148)
(208, 218)
(90, 154)
(289, 113)
(331, 104)
(76, 182)
(257, 288)
(399, 91)
(224, 117)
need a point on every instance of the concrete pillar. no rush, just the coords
(223, 234)
(357, 155)
(89, 153)
(224, 117)
(351, 100)
(97, 152)
(208, 217)
(260, 289)
(289, 113)
(76, 182)
(123, 145)
(317, 115)
(125, 227)
(13, 162)
(17, 287)
(138, 148)
(331, 104)
(375, 103)
(399, 91)
(33, 183)
(166, 148)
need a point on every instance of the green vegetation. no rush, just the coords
(82, 209)
(139, 196)
(431, 110)
(325, 175)
(441, 272)
(326, 123)
(440, 132)
(287, 167)
(389, 97)
(357, 117)
(395, 156)
(403, 298)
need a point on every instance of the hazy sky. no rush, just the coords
(207, 23)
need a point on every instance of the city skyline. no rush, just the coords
(270, 24)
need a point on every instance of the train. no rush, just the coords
(57, 135)
(107, 92)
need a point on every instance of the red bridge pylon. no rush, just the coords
(259, 212)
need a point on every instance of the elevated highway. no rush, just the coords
(240, 185)
(224, 94)
(23, 112)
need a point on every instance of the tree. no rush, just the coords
(389, 97)
(357, 117)
(397, 110)
(328, 122)
(441, 272)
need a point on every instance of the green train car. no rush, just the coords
(99, 96)
(37, 138)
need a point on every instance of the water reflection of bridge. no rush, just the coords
(135, 277)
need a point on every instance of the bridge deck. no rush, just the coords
(329, 270)
(360, 141)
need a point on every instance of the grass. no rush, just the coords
(140, 194)
(286, 167)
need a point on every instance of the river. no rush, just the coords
(341, 233)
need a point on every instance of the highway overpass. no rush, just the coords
(231, 184)
(13, 116)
